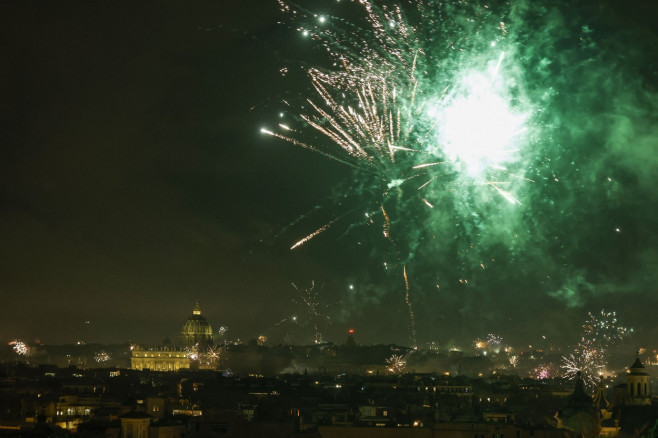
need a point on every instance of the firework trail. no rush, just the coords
(412, 316)
(322, 229)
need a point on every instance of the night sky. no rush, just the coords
(135, 180)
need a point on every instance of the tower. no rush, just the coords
(637, 385)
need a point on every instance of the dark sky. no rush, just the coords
(134, 180)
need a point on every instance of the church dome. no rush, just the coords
(196, 329)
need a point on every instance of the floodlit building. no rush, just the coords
(159, 359)
(196, 335)
(196, 330)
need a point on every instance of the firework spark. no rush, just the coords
(601, 332)
(386, 117)
(542, 372)
(494, 339)
(310, 312)
(395, 364)
(20, 347)
(214, 353)
(101, 357)
(425, 115)
(192, 352)
(584, 365)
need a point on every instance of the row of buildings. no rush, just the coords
(124, 403)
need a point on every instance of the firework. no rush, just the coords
(395, 364)
(310, 312)
(542, 372)
(223, 335)
(585, 365)
(101, 357)
(192, 352)
(494, 342)
(433, 346)
(601, 332)
(20, 347)
(425, 105)
(214, 353)
(400, 108)
(494, 339)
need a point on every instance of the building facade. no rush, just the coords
(159, 359)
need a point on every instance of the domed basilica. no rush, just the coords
(196, 330)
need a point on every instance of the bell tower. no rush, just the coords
(637, 385)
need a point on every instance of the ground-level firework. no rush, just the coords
(600, 332)
(396, 364)
(101, 357)
(19, 347)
